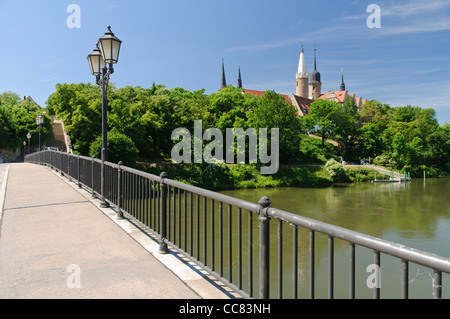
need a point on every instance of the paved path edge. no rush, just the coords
(202, 283)
(3, 194)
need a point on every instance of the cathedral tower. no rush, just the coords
(302, 77)
(315, 85)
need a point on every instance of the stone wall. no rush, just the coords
(11, 156)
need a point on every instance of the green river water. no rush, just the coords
(415, 214)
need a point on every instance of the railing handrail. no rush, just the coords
(252, 207)
(401, 251)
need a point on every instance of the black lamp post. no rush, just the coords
(39, 122)
(106, 52)
(29, 138)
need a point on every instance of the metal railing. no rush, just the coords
(220, 233)
(392, 175)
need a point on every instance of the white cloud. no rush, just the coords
(415, 8)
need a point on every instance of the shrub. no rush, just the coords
(120, 148)
(336, 171)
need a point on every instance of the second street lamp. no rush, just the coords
(108, 52)
(39, 122)
(29, 138)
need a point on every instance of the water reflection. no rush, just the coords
(416, 214)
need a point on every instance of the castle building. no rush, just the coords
(308, 87)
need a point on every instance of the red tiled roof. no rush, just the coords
(340, 95)
(303, 103)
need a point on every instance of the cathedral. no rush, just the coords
(307, 88)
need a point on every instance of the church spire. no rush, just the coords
(302, 64)
(315, 84)
(223, 84)
(315, 75)
(342, 81)
(239, 84)
(301, 86)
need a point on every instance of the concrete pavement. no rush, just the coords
(56, 242)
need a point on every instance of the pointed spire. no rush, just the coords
(315, 75)
(315, 66)
(223, 84)
(239, 84)
(302, 65)
(342, 81)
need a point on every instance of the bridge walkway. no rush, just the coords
(56, 242)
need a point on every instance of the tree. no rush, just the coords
(321, 118)
(399, 149)
(9, 98)
(8, 129)
(120, 148)
(273, 111)
(371, 140)
(437, 150)
(16, 120)
(346, 130)
(79, 105)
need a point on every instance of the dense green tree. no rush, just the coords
(120, 148)
(346, 130)
(273, 111)
(9, 98)
(17, 119)
(408, 136)
(79, 106)
(321, 118)
(8, 128)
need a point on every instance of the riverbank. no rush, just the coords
(220, 176)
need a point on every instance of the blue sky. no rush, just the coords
(181, 43)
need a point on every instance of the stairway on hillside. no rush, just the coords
(56, 136)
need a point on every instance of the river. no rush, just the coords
(415, 214)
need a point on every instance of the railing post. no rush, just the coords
(163, 215)
(264, 248)
(62, 164)
(119, 190)
(68, 167)
(103, 202)
(92, 176)
(437, 284)
(79, 177)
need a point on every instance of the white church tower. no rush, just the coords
(302, 77)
